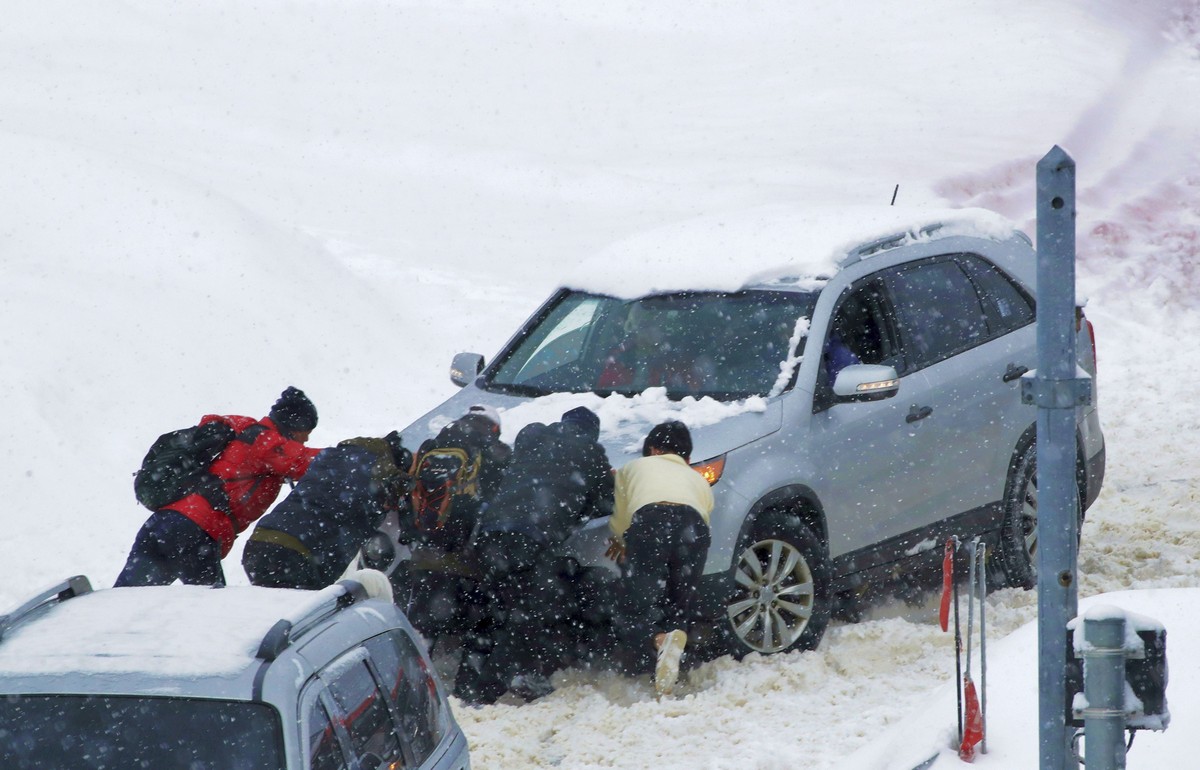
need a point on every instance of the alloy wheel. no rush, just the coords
(775, 596)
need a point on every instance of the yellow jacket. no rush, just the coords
(657, 479)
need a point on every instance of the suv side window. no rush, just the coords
(865, 324)
(324, 751)
(938, 310)
(364, 710)
(410, 687)
(863, 331)
(1008, 307)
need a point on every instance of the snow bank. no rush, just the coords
(1012, 698)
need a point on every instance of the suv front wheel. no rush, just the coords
(781, 599)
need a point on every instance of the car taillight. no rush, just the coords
(1080, 321)
(1092, 335)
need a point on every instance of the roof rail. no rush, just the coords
(889, 242)
(326, 602)
(60, 592)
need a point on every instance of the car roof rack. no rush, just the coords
(889, 242)
(77, 585)
(326, 602)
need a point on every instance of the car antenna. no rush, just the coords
(894, 193)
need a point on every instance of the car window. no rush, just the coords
(556, 342)
(938, 310)
(863, 330)
(324, 751)
(118, 732)
(723, 345)
(364, 710)
(411, 687)
(1007, 306)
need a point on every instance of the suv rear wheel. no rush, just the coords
(781, 600)
(1018, 536)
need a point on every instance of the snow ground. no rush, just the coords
(205, 202)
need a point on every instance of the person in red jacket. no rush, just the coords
(187, 539)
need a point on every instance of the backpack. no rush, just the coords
(446, 488)
(442, 473)
(177, 465)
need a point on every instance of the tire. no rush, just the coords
(781, 598)
(1018, 534)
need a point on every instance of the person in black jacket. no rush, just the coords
(559, 477)
(455, 473)
(309, 539)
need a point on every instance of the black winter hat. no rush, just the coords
(586, 419)
(293, 413)
(671, 437)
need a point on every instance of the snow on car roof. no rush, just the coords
(762, 245)
(168, 631)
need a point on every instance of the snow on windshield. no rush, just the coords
(795, 244)
(788, 366)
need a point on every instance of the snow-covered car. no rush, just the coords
(192, 678)
(852, 381)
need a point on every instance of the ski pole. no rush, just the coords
(957, 642)
(970, 600)
(982, 557)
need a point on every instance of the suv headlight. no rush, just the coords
(711, 469)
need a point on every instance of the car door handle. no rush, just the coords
(918, 413)
(1013, 372)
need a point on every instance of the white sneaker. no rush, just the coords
(666, 671)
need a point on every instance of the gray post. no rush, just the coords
(1057, 392)
(1104, 689)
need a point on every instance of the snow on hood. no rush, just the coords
(624, 420)
(762, 245)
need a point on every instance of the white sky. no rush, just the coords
(202, 203)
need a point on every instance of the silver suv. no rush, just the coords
(238, 678)
(854, 399)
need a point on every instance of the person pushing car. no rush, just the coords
(185, 539)
(309, 539)
(660, 537)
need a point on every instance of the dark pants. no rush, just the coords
(277, 566)
(171, 546)
(526, 620)
(665, 550)
(435, 599)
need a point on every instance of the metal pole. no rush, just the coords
(1104, 689)
(1057, 392)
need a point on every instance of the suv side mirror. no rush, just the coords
(866, 382)
(465, 367)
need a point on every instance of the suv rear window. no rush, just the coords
(119, 732)
(723, 345)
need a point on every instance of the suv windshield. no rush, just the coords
(118, 732)
(726, 346)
